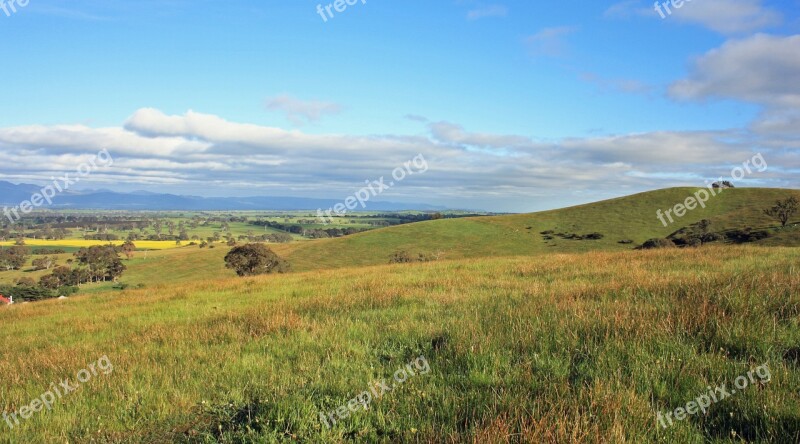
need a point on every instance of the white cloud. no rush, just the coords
(549, 42)
(626, 9)
(722, 16)
(487, 11)
(209, 155)
(727, 16)
(761, 69)
(302, 111)
(778, 122)
(628, 86)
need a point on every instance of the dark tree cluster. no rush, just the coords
(255, 259)
(14, 257)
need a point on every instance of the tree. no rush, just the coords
(43, 263)
(26, 293)
(783, 210)
(128, 248)
(254, 259)
(13, 258)
(26, 282)
(102, 261)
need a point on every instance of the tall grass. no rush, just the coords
(568, 348)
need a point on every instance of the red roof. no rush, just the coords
(4, 299)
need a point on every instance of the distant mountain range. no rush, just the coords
(12, 194)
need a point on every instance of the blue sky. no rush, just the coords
(517, 105)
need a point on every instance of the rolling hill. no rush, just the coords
(628, 218)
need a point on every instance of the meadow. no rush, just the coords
(564, 348)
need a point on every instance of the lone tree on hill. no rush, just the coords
(255, 259)
(783, 210)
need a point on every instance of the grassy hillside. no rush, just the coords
(560, 349)
(628, 218)
(632, 217)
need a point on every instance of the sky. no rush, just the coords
(514, 105)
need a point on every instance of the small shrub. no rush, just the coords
(713, 237)
(657, 243)
(66, 291)
(694, 242)
(746, 235)
(400, 257)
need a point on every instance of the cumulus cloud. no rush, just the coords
(761, 69)
(302, 111)
(727, 16)
(210, 155)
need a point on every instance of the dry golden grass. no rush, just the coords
(570, 348)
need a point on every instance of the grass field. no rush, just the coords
(566, 348)
(628, 218)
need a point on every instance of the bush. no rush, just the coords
(47, 251)
(713, 237)
(26, 282)
(27, 294)
(401, 257)
(657, 243)
(746, 235)
(66, 291)
(694, 242)
(593, 236)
